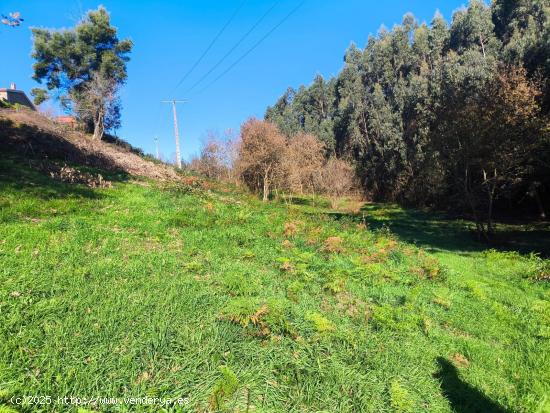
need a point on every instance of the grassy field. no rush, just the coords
(180, 291)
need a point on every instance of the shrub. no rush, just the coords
(337, 178)
(302, 163)
(217, 157)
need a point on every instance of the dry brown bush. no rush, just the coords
(268, 161)
(290, 229)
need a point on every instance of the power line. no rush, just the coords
(239, 42)
(253, 47)
(211, 44)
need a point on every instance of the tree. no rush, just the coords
(217, 156)
(473, 28)
(302, 162)
(523, 26)
(97, 104)
(337, 178)
(76, 63)
(453, 116)
(260, 154)
(490, 141)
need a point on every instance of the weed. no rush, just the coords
(401, 400)
(224, 389)
(321, 325)
(270, 316)
(294, 290)
(335, 285)
(244, 311)
(240, 284)
(290, 229)
(402, 318)
(428, 266)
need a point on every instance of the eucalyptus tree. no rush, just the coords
(430, 114)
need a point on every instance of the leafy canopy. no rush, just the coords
(67, 59)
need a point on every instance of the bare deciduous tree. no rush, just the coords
(217, 156)
(302, 163)
(98, 105)
(337, 178)
(260, 154)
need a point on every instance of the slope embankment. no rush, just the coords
(42, 140)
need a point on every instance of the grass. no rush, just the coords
(210, 295)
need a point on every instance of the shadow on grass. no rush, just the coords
(24, 143)
(305, 201)
(436, 232)
(27, 153)
(463, 397)
(18, 177)
(23, 175)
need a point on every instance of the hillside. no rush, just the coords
(42, 140)
(173, 289)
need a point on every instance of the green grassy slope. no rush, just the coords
(235, 305)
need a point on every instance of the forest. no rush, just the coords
(448, 116)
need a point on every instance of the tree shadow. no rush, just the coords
(305, 201)
(31, 142)
(17, 176)
(437, 232)
(28, 151)
(463, 397)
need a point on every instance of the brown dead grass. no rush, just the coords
(460, 361)
(287, 244)
(333, 244)
(290, 229)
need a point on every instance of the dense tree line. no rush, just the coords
(443, 115)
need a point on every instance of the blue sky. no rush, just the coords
(169, 37)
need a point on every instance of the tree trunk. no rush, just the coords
(266, 186)
(490, 188)
(99, 128)
(480, 226)
(482, 45)
(542, 213)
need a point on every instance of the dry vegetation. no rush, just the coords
(43, 138)
(270, 163)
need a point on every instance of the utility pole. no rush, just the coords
(176, 131)
(157, 147)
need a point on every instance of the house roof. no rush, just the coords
(7, 89)
(27, 101)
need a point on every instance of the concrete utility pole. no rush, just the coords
(176, 131)
(157, 147)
